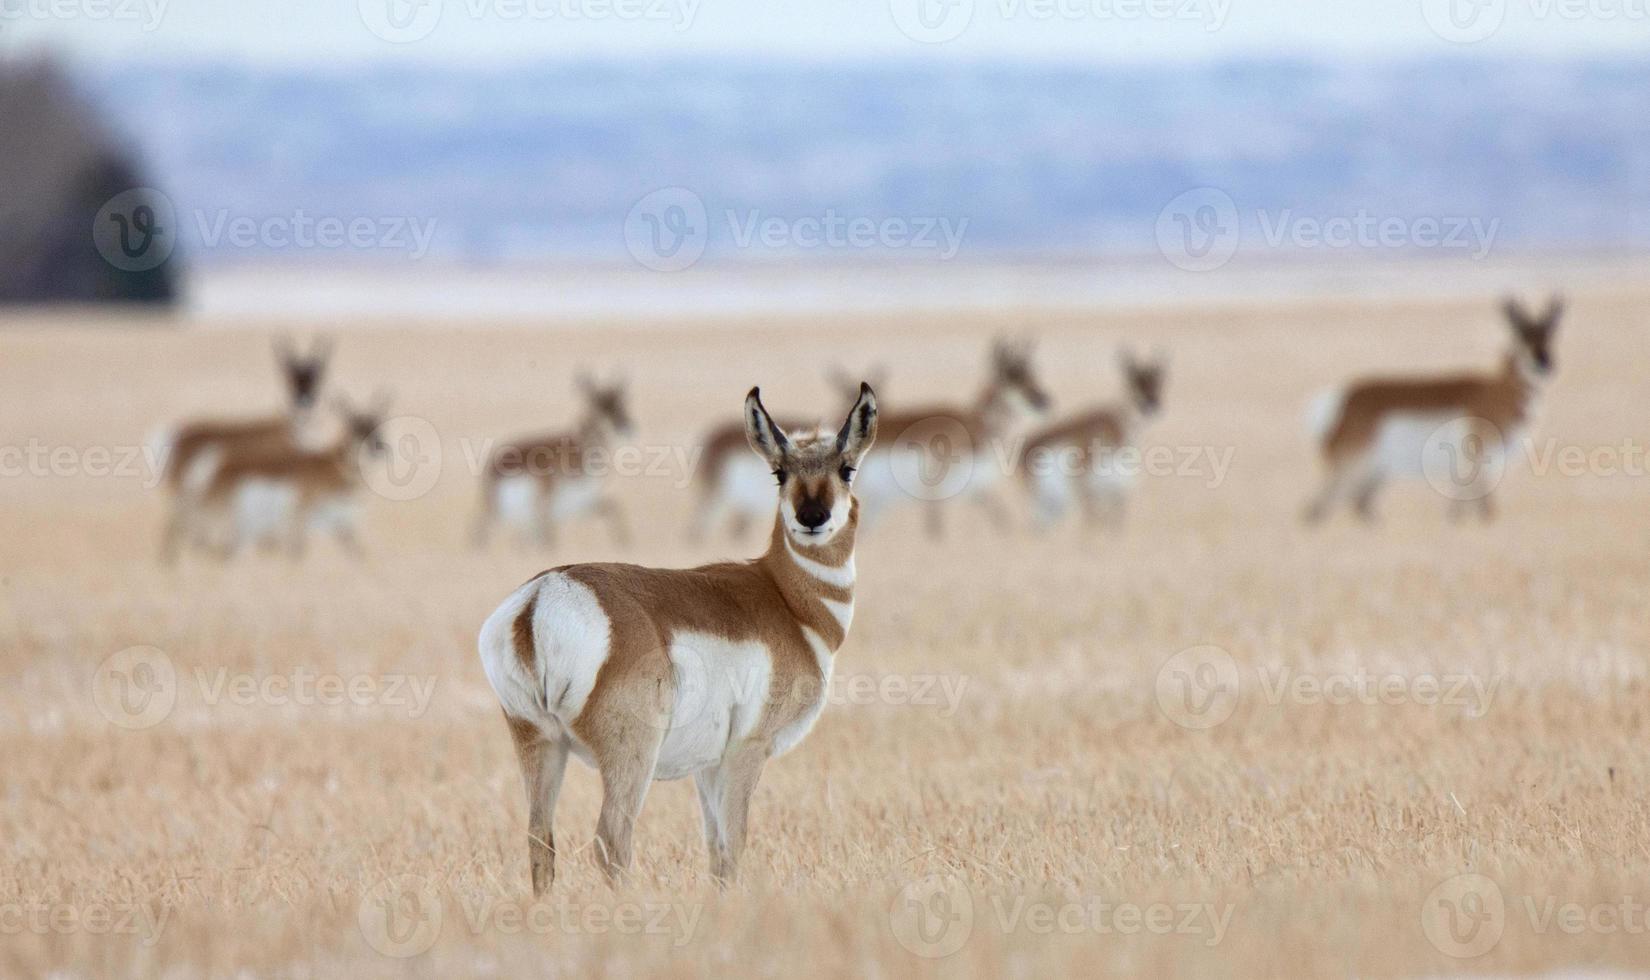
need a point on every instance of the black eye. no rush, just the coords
(779, 475)
(847, 473)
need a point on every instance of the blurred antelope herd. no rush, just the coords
(268, 482)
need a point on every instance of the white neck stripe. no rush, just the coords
(841, 576)
(843, 611)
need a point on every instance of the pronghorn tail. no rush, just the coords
(160, 446)
(1323, 412)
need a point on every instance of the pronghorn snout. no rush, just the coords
(813, 513)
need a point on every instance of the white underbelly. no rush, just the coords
(721, 691)
(574, 497)
(1439, 446)
(514, 498)
(262, 507)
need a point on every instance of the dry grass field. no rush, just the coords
(1006, 781)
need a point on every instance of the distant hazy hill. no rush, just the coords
(549, 160)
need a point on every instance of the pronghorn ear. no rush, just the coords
(1555, 310)
(860, 430)
(765, 437)
(1517, 317)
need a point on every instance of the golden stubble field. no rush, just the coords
(1003, 783)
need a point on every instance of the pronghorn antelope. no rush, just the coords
(182, 449)
(247, 497)
(708, 672)
(1378, 429)
(537, 481)
(1081, 457)
(943, 451)
(736, 487)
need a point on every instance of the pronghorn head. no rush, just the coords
(1145, 380)
(1012, 375)
(606, 404)
(1533, 335)
(816, 470)
(363, 426)
(303, 371)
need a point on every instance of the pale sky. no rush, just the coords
(1088, 31)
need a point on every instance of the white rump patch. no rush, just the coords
(573, 638)
(1323, 411)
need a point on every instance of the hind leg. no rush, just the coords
(626, 766)
(1342, 476)
(1368, 489)
(543, 763)
(171, 539)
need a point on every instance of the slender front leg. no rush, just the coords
(543, 763)
(995, 510)
(738, 777)
(626, 764)
(1334, 485)
(176, 528)
(344, 533)
(709, 784)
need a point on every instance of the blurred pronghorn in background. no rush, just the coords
(189, 452)
(282, 494)
(181, 447)
(735, 486)
(535, 482)
(932, 454)
(1079, 458)
(1376, 430)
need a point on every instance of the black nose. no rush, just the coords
(812, 514)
